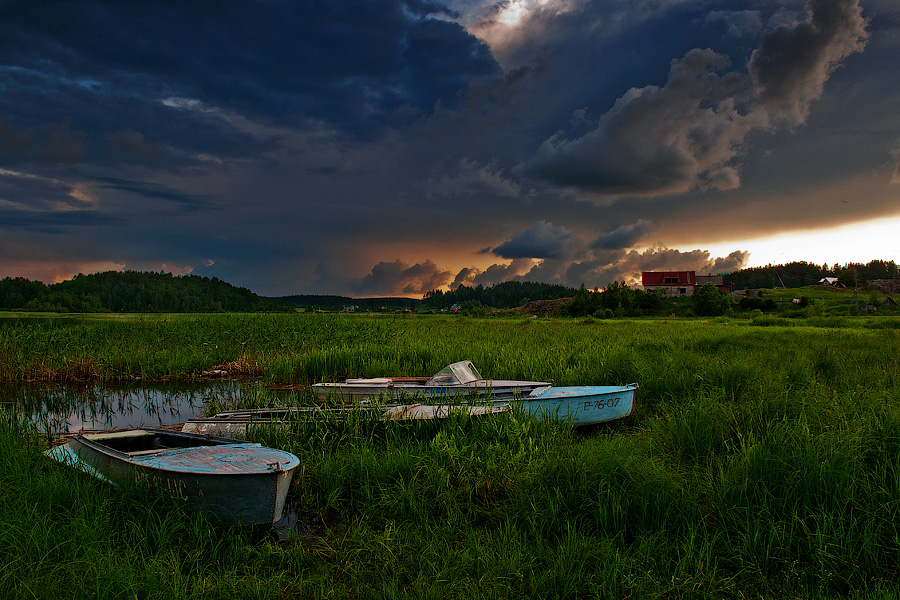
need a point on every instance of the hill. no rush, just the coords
(133, 291)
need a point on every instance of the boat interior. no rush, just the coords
(149, 441)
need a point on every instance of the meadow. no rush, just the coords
(762, 461)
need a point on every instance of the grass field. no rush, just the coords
(763, 461)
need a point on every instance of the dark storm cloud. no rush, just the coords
(352, 64)
(11, 141)
(541, 240)
(55, 222)
(469, 178)
(793, 62)
(625, 236)
(52, 143)
(154, 191)
(688, 133)
(340, 144)
(658, 140)
(132, 142)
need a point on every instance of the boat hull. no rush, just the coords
(402, 392)
(238, 482)
(238, 423)
(579, 405)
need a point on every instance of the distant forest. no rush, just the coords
(132, 291)
(801, 274)
(508, 294)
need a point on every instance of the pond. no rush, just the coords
(69, 409)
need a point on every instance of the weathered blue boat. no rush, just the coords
(578, 405)
(238, 481)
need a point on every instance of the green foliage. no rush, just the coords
(794, 274)
(131, 291)
(800, 274)
(710, 302)
(508, 294)
(618, 300)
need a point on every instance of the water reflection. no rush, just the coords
(69, 409)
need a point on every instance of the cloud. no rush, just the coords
(739, 23)
(132, 142)
(60, 144)
(355, 64)
(655, 140)
(541, 240)
(688, 133)
(342, 144)
(594, 265)
(399, 278)
(793, 62)
(472, 179)
(497, 273)
(25, 192)
(627, 266)
(625, 236)
(12, 141)
(895, 178)
(154, 191)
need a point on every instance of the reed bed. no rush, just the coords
(761, 462)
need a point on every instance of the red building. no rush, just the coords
(676, 283)
(679, 283)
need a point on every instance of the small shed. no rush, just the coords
(888, 303)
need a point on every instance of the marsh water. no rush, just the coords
(69, 409)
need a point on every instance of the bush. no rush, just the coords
(710, 302)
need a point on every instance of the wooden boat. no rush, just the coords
(238, 481)
(578, 405)
(237, 423)
(458, 380)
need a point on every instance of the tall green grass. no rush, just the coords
(761, 462)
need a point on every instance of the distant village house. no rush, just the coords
(680, 283)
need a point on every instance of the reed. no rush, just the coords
(761, 462)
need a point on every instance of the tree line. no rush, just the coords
(801, 274)
(508, 294)
(132, 291)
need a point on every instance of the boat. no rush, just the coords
(459, 380)
(577, 405)
(238, 422)
(238, 481)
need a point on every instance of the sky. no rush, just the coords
(392, 147)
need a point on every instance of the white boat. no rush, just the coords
(238, 481)
(459, 380)
(577, 405)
